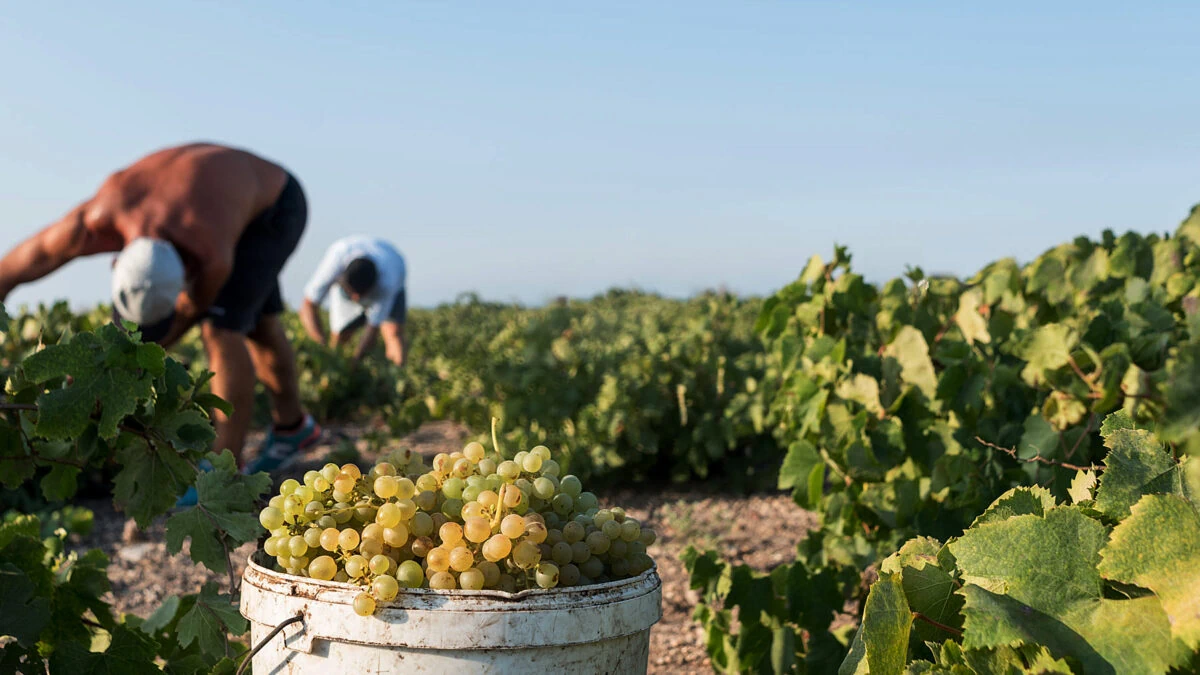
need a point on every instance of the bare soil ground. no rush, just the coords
(760, 531)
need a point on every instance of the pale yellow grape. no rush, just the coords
(385, 469)
(547, 573)
(312, 537)
(497, 548)
(450, 533)
(472, 510)
(322, 567)
(630, 530)
(611, 529)
(440, 461)
(330, 472)
(364, 604)
(463, 468)
(297, 546)
(352, 470)
(602, 516)
(388, 515)
(396, 536)
(276, 502)
(344, 483)
(508, 470)
(525, 555)
(385, 587)
(438, 560)
(321, 485)
(348, 539)
(598, 543)
(385, 487)
(370, 547)
(488, 499)
(271, 518)
(471, 580)
(269, 546)
(477, 530)
(535, 531)
(380, 564)
(372, 531)
(407, 509)
(411, 574)
(329, 538)
(288, 486)
(356, 566)
(300, 563)
(461, 559)
(305, 494)
(513, 526)
(443, 581)
(474, 451)
(513, 498)
(532, 463)
(405, 489)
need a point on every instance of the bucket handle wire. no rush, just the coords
(263, 642)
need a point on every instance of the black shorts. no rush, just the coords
(252, 290)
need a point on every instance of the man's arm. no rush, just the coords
(311, 318)
(50, 249)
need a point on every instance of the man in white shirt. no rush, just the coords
(366, 276)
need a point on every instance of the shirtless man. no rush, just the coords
(203, 231)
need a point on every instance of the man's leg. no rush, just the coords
(275, 365)
(233, 381)
(394, 341)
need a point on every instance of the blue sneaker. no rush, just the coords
(280, 451)
(191, 497)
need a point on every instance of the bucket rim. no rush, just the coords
(257, 561)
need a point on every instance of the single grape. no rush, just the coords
(297, 546)
(388, 515)
(602, 516)
(321, 485)
(405, 489)
(313, 510)
(370, 547)
(553, 537)
(427, 483)
(547, 573)
(438, 560)
(451, 508)
(443, 581)
(573, 532)
(451, 533)
(487, 466)
(471, 510)
(598, 543)
(453, 488)
(631, 530)
(550, 468)
(461, 559)
(463, 468)
(372, 531)
(440, 461)
(543, 487)
(385, 487)
(568, 575)
(497, 548)
(305, 494)
(507, 583)
(385, 469)
(618, 514)
(344, 484)
(635, 548)
(352, 470)
(535, 531)
(276, 502)
(571, 485)
(471, 492)
(508, 470)
(395, 536)
(348, 540)
(477, 530)
(271, 518)
(592, 567)
(580, 552)
(562, 504)
(330, 472)
(648, 536)
(322, 567)
(270, 546)
(474, 451)
(513, 526)
(488, 499)
(611, 529)
(380, 564)
(617, 549)
(514, 499)
(421, 546)
(422, 525)
(524, 484)
(364, 604)
(491, 573)
(561, 553)
(532, 463)
(310, 476)
(329, 538)
(287, 487)
(620, 568)
(312, 537)
(471, 579)
(356, 566)
(411, 574)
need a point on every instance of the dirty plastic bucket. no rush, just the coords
(603, 628)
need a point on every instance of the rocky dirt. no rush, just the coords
(760, 531)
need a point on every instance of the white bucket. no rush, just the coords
(604, 628)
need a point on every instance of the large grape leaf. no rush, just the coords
(928, 586)
(1158, 547)
(1017, 502)
(912, 353)
(210, 619)
(152, 477)
(131, 652)
(225, 507)
(972, 324)
(1136, 465)
(1044, 349)
(109, 374)
(23, 614)
(1033, 580)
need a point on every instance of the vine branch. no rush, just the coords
(1038, 458)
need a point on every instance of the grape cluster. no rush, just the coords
(472, 521)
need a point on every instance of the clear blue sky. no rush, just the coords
(529, 149)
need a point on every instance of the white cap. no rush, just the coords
(147, 278)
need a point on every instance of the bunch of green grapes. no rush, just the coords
(471, 522)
